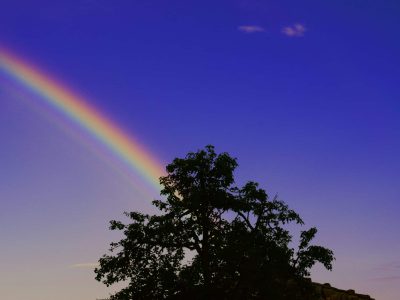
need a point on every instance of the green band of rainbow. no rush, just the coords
(75, 108)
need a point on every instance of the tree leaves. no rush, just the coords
(211, 240)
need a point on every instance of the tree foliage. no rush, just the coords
(211, 239)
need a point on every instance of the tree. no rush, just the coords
(211, 239)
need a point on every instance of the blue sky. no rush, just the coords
(304, 94)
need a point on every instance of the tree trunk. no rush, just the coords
(206, 229)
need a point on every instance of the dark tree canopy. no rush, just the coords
(211, 240)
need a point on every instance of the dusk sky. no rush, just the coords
(304, 93)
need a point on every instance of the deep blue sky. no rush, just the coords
(314, 117)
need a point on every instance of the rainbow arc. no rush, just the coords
(126, 148)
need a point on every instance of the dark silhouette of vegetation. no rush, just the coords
(211, 240)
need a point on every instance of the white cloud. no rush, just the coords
(296, 30)
(250, 28)
(84, 266)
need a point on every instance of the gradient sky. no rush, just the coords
(304, 93)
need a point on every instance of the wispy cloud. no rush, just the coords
(296, 30)
(251, 28)
(84, 266)
(387, 267)
(389, 271)
(386, 278)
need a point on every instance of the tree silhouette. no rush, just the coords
(211, 240)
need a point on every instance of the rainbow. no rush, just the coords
(88, 118)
